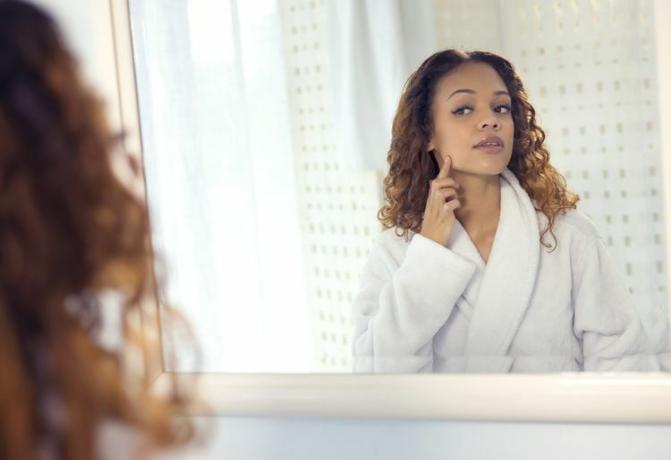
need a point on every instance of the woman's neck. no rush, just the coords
(480, 198)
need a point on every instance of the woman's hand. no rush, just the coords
(440, 205)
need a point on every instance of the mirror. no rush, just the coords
(265, 129)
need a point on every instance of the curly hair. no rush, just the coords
(70, 232)
(406, 185)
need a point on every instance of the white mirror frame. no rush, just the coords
(562, 397)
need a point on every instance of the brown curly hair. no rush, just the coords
(406, 185)
(70, 232)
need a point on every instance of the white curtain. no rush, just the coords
(221, 182)
(374, 45)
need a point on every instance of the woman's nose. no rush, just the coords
(489, 122)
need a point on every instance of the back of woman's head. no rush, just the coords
(69, 233)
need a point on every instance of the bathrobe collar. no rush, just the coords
(499, 298)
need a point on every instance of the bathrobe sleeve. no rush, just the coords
(616, 335)
(401, 304)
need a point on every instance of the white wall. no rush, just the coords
(338, 439)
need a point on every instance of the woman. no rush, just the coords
(71, 236)
(486, 266)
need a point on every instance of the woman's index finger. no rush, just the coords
(445, 170)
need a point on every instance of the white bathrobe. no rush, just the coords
(424, 307)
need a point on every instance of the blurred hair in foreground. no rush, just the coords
(74, 244)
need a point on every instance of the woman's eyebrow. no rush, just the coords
(472, 91)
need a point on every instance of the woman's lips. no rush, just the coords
(490, 148)
(490, 144)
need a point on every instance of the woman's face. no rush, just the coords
(472, 104)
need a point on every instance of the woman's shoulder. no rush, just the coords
(573, 229)
(391, 242)
(395, 236)
(575, 222)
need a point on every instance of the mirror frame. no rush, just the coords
(561, 397)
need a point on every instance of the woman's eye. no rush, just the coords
(503, 108)
(460, 110)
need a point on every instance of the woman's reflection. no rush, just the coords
(486, 265)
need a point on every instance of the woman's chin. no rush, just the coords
(489, 169)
